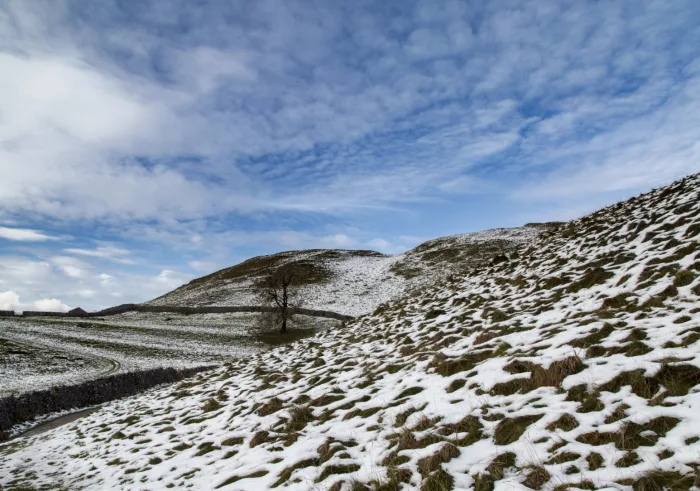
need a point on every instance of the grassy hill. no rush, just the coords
(571, 365)
(355, 282)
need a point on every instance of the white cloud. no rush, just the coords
(45, 90)
(10, 300)
(91, 119)
(23, 235)
(168, 280)
(429, 43)
(413, 239)
(643, 152)
(105, 278)
(379, 244)
(70, 266)
(204, 68)
(110, 253)
(466, 184)
(203, 266)
(87, 293)
(433, 74)
(73, 271)
(50, 305)
(338, 241)
(24, 272)
(385, 246)
(35, 280)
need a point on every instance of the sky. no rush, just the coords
(146, 143)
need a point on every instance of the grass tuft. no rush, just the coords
(509, 430)
(270, 407)
(430, 464)
(566, 422)
(299, 417)
(330, 470)
(439, 480)
(666, 481)
(233, 479)
(537, 478)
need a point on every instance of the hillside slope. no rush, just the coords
(354, 282)
(573, 366)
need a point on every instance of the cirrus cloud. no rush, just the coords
(23, 235)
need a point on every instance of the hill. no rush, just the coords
(355, 282)
(572, 365)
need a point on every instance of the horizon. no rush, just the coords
(145, 145)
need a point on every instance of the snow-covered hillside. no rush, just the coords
(572, 365)
(355, 282)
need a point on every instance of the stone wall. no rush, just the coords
(25, 407)
(34, 313)
(120, 309)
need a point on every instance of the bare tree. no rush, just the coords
(279, 291)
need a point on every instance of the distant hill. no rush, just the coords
(356, 282)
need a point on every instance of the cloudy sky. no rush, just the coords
(144, 143)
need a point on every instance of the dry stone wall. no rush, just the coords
(120, 309)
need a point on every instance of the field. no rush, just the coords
(37, 353)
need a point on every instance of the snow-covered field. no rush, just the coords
(25, 365)
(573, 365)
(356, 282)
(44, 352)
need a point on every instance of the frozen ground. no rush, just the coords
(43, 352)
(571, 366)
(26, 365)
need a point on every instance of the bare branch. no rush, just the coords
(279, 290)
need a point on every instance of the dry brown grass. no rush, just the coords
(299, 417)
(447, 452)
(666, 481)
(566, 422)
(632, 435)
(270, 407)
(288, 471)
(676, 379)
(260, 437)
(487, 336)
(330, 470)
(539, 377)
(439, 480)
(536, 478)
(449, 366)
(509, 430)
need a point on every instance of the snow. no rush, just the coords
(65, 351)
(178, 438)
(358, 283)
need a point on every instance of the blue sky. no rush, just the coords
(143, 144)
